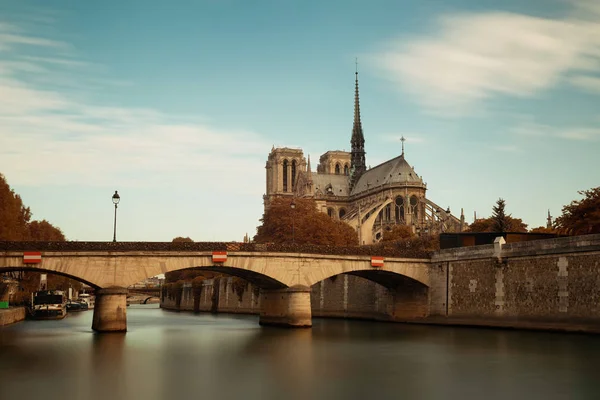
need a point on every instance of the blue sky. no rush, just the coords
(177, 104)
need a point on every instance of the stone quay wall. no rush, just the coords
(545, 284)
(11, 315)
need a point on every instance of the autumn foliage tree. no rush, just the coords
(398, 232)
(180, 239)
(303, 224)
(487, 225)
(543, 229)
(581, 216)
(14, 216)
(16, 225)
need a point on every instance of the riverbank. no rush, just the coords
(12, 315)
(350, 297)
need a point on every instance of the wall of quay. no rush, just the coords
(11, 315)
(547, 284)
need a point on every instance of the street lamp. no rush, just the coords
(293, 206)
(116, 198)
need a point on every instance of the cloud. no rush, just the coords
(55, 137)
(475, 56)
(585, 134)
(580, 133)
(506, 148)
(586, 82)
(7, 41)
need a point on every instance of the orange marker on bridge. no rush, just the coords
(219, 256)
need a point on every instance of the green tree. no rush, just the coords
(499, 220)
(303, 224)
(581, 216)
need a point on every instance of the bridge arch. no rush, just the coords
(258, 279)
(50, 271)
(389, 280)
(151, 297)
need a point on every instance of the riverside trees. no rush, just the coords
(16, 225)
(581, 216)
(303, 224)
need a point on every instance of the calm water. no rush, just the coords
(169, 355)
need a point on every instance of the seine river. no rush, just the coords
(167, 355)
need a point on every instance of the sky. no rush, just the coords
(177, 104)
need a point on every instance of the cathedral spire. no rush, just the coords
(357, 162)
(549, 221)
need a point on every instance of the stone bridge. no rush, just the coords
(285, 278)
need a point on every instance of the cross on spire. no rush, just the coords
(402, 140)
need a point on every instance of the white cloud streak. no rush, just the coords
(52, 137)
(534, 129)
(476, 56)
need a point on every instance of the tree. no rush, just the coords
(180, 239)
(499, 220)
(45, 231)
(303, 224)
(15, 225)
(398, 232)
(581, 216)
(543, 229)
(14, 216)
(486, 225)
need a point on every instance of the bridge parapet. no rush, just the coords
(388, 250)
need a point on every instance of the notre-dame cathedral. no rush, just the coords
(370, 200)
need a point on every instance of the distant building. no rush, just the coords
(371, 200)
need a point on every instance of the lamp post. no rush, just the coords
(115, 199)
(293, 207)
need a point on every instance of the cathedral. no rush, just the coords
(371, 200)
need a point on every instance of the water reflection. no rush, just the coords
(179, 355)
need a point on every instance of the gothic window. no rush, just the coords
(337, 169)
(399, 209)
(285, 175)
(293, 175)
(414, 209)
(388, 212)
(342, 213)
(346, 169)
(330, 212)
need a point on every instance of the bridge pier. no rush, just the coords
(289, 307)
(110, 310)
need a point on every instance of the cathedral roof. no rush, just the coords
(394, 171)
(338, 184)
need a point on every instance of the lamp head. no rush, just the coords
(116, 198)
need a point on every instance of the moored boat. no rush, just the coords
(88, 299)
(48, 304)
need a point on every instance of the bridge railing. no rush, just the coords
(413, 248)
